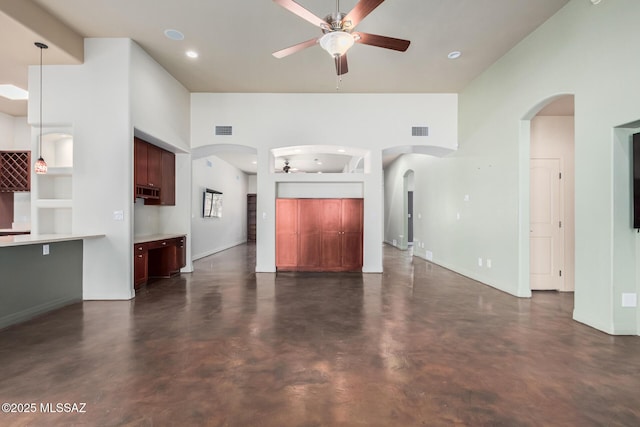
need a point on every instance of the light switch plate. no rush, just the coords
(45, 249)
(118, 215)
(630, 300)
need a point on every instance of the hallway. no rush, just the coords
(416, 346)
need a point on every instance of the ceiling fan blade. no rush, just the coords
(360, 11)
(295, 48)
(382, 41)
(303, 13)
(341, 65)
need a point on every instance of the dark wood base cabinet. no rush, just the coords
(319, 234)
(158, 258)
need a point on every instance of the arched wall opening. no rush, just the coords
(547, 187)
(228, 169)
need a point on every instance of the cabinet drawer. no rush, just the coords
(157, 244)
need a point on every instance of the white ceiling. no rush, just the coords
(235, 40)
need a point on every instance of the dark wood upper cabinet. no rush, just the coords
(154, 174)
(168, 181)
(140, 162)
(154, 166)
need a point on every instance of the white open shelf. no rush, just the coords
(60, 171)
(53, 201)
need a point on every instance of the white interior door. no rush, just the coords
(546, 237)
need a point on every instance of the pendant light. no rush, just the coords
(40, 166)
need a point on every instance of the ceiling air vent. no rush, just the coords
(420, 131)
(224, 130)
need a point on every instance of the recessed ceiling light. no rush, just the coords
(595, 1)
(454, 55)
(13, 93)
(341, 150)
(192, 54)
(174, 35)
(255, 162)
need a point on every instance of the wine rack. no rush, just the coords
(14, 171)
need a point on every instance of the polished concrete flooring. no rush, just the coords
(415, 346)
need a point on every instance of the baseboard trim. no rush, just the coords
(216, 250)
(31, 312)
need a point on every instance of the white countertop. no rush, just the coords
(154, 237)
(32, 239)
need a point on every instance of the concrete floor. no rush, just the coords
(415, 346)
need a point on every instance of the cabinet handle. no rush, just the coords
(139, 256)
(140, 248)
(164, 243)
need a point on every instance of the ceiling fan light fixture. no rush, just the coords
(337, 43)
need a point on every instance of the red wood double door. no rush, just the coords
(319, 234)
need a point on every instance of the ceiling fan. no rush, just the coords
(338, 32)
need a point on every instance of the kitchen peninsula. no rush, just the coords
(39, 273)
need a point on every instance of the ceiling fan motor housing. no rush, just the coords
(336, 22)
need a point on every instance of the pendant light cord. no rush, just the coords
(41, 46)
(40, 149)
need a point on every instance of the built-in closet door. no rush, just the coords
(287, 233)
(351, 247)
(319, 234)
(331, 234)
(309, 233)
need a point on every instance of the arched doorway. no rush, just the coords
(550, 195)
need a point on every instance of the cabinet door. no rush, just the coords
(309, 233)
(352, 225)
(140, 161)
(154, 166)
(286, 233)
(140, 265)
(181, 252)
(168, 184)
(331, 234)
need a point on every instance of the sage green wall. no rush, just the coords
(583, 50)
(586, 50)
(33, 283)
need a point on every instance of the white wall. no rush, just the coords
(211, 235)
(15, 134)
(252, 184)
(319, 190)
(582, 50)
(367, 121)
(160, 108)
(95, 100)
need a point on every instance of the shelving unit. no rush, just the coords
(53, 192)
(14, 171)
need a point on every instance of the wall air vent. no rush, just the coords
(420, 131)
(224, 130)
